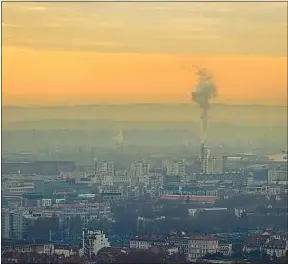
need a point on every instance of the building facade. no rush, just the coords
(93, 241)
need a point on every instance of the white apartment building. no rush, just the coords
(174, 168)
(212, 165)
(19, 190)
(6, 220)
(93, 241)
(156, 180)
(278, 176)
(106, 167)
(7, 183)
(19, 224)
(46, 202)
(144, 179)
(121, 180)
(99, 210)
(59, 201)
(107, 180)
(139, 168)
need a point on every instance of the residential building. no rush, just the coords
(47, 249)
(276, 248)
(278, 176)
(46, 202)
(6, 220)
(174, 168)
(19, 190)
(193, 247)
(64, 250)
(105, 167)
(212, 165)
(111, 196)
(93, 241)
(107, 180)
(19, 224)
(144, 180)
(139, 168)
(146, 242)
(225, 248)
(199, 246)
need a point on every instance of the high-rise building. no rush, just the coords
(106, 167)
(92, 242)
(212, 165)
(258, 173)
(6, 221)
(279, 176)
(174, 168)
(19, 224)
(140, 168)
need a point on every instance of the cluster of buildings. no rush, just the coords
(192, 247)
(92, 242)
(269, 242)
(18, 223)
(35, 193)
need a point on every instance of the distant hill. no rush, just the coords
(16, 116)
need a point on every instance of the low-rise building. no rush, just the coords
(47, 249)
(46, 202)
(64, 250)
(225, 248)
(276, 248)
(199, 246)
(146, 242)
(111, 196)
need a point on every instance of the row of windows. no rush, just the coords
(203, 241)
(20, 190)
(194, 255)
(278, 252)
(204, 246)
(140, 243)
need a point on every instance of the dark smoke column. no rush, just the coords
(205, 91)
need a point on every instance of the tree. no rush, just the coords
(214, 256)
(75, 227)
(94, 224)
(139, 256)
(254, 254)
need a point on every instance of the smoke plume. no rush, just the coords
(205, 91)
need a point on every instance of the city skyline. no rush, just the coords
(90, 53)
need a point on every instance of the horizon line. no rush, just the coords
(135, 103)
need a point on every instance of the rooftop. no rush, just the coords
(203, 237)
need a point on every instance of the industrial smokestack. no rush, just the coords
(204, 91)
(203, 152)
(120, 139)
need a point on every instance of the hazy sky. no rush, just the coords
(142, 52)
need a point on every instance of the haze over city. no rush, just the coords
(140, 132)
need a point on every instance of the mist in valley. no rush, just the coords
(82, 132)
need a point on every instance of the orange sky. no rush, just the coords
(43, 74)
